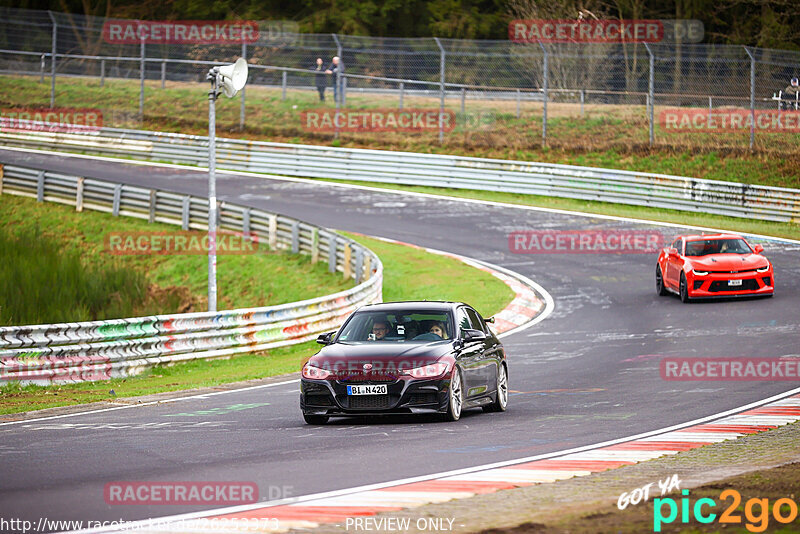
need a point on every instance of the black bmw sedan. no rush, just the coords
(406, 358)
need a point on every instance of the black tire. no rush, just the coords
(315, 419)
(684, 289)
(660, 289)
(455, 397)
(501, 397)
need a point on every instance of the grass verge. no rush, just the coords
(410, 273)
(173, 283)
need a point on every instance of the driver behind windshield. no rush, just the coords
(379, 329)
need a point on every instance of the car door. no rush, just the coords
(488, 358)
(469, 355)
(674, 265)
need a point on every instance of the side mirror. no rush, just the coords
(325, 339)
(758, 249)
(672, 252)
(473, 335)
(489, 320)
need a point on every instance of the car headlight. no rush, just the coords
(763, 269)
(427, 371)
(700, 273)
(315, 373)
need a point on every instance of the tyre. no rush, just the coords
(501, 398)
(684, 289)
(660, 289)
(455, 397)
(315, 419)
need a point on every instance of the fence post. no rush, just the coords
(41, 70)
(359, 265)
(283, 85)
(752, 97)
(53, 53)
(102, 72)
(651, 94)
(141, 80)
(246, 223)
(79, 195)
(163, 73)
(185, 213)
(344, 91)
(518, 97)
(463, 98)
(40, 187)
(241, 105)
(332, 253)
(117, 199)
(1, 178)
(402, 90)
(273, 232)
(152, 215)
(314, 245)
(545, 79)
(348, 256)
(442, 61)
(295, 237)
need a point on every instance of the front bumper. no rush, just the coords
(716, 285)
(405, 395)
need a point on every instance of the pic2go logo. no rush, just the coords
(756, 511)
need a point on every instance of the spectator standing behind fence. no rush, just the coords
(792, 89)
(336, 69)
(320, 78)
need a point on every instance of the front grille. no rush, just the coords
(422, 398)
(731, 272)
(721, 286)
(359, 377)
(365, 402)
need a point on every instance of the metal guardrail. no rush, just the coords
(458, 172)
(99, 350)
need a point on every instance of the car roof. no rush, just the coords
(695, 237)
(405, 305)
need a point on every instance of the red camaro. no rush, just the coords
(713, 266)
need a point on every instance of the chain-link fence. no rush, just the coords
(490, 93)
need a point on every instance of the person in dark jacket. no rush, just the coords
(320, 78)
(336, 69)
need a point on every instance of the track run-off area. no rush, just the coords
(588, 373)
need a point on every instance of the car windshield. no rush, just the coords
(704, 247)
(402, 326)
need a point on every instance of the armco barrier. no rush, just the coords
(588, 183)
(99, 350)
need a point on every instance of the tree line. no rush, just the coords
(762, 23)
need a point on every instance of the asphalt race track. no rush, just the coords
(586, 374)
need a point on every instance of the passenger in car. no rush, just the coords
(438, 328)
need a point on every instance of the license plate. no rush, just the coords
(377, 389)
(734, 282)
